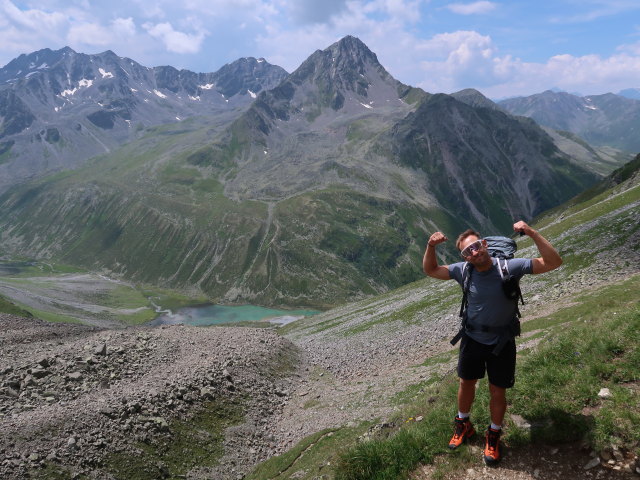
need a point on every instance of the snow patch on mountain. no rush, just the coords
(104, 73)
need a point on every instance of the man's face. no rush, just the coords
(474, 250)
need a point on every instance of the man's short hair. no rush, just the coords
(468, 232)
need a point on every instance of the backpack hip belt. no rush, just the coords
(505, 332)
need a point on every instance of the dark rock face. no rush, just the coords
(15, 115)
(483, 163)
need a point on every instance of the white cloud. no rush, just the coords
(24, 31)
(33, 19)
(124, 26)
(94, 34)
(404, 11)
(381, 24)
(507, 76)
(631, 48)
(176, 41)
(472, 8)
(312, 11)
(89, 34)
(286, 32)
(595, 9)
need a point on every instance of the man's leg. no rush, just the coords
(466, 395)
(470, 368)
(463, 426)
(497, 404)
(497, 408)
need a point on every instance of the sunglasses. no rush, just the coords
(473, 247)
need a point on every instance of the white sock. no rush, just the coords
(495, 427)
(463, 415)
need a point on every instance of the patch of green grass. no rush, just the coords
(564, 375)
(33, 268)
(170, 299)
(180, 175)
(53, 317)
(413, 443)
(411, 312)
(124, 297)
(589, 306)
(556, 390)
(412, 392)
(196, 442)
(310, 458)
(584, 212)
(444, 357)
(52, 471)
(9, 307)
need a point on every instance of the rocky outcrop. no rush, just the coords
(73, 398)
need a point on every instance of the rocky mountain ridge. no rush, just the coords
(59, 108)
(607, 119)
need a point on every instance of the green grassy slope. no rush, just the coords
(155, 212)
(582, 336)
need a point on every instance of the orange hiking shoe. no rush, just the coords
(463, 430)
(492, 446)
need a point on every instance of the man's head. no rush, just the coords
(467, 233)
(473, 248)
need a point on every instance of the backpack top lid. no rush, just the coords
(501, 247)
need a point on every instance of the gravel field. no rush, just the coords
(73, 395)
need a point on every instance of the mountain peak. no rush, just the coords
(346, 65)
(352, 49)
(350, 44)
(28, 64)
(473, 97)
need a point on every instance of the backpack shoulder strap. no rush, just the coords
(503, 268)
(466, 282)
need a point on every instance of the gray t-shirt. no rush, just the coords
(488, 305)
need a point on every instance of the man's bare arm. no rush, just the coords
(550, 259)
(430, 262)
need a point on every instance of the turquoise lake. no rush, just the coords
(219, 314)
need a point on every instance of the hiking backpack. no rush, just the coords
(503, 249)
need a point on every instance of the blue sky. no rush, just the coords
(502, 48)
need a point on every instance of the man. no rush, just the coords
(489, 314)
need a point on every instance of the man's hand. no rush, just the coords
(549, 258)
(430, 262)
(436, 239)
(523, 229)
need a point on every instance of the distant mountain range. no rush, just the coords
(322, 188)
(608, 119)
(59, 108)
(630, 93)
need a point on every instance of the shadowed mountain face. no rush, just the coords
(323, 189)
(607, 119)
(59, 108)
(484, 164)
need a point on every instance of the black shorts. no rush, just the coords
(476, 357)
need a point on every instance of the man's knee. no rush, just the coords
(468, 383)
(497, 392)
